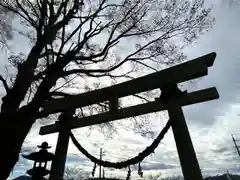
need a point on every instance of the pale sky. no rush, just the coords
(210, 123)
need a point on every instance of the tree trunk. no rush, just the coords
(14, 127)
(13, 132)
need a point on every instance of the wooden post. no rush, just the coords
(186, 153)
(58, 163)
(100, 167)
(236, 145)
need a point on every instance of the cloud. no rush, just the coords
(75, 159)
(222, 39)
(221, 150)
(157, 166)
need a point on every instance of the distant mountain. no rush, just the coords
(23, 178)
(224, 177)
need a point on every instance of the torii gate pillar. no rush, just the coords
(186, 152)
(58, 164)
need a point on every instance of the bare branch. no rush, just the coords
(141, 97)
(33, 8)
(26, 14)
(26, 18)
(58, 93)
(4, 84)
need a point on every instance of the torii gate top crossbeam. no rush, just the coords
(186, 71)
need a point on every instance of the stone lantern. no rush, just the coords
(40, 159)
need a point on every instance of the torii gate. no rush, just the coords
(166, 80)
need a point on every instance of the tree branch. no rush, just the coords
(58, 93)
(30, 21)
(4, 84)
(26, 13)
